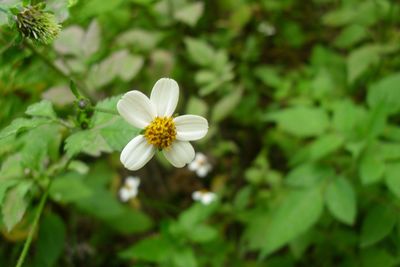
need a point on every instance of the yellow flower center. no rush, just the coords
(161, 132)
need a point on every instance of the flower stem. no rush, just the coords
(32, 231)
(61, 73)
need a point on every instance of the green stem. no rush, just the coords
(109, 111)
(61, 73)
(32, 231)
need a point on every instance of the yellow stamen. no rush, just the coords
(161, 132)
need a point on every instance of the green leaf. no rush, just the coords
(341, 200)
(69, 188)
(15, 204)
(42, 109)
(197, 106)
(200, 52)
(6, 184)
(87, 141)
(301, 121)
(351, 35)
(378, 223)
(371, 168)
(51, 240)
(226, 105)
(21, 125)
(325, 145)
(392, 178)
(360, 60)
(152, 249)
(298, 212)
(373, 257)
(385, 92)
(190, 13)
(202, 233)
(308, 174)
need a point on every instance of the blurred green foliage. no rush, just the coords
(303, 100)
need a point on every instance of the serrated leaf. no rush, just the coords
(308, 174)
(22, 124)
(15, 204)
(42, 109)
(341, 200)
(88, 141)
(360, 60)
(91, 39)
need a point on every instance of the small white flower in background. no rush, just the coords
(129, 189)
(161, 130)
(200, 165)
(205, 197)
(267, 28)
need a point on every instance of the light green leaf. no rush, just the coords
(197, 106)
(371, 168)
(15, 204)
(360, 60)
(190, 13)
(225, 106)
(69, 188)
(341, 200)
(351, 35)
(385, 92)
(87, 141)
(5, 185)
(301, 121)
(307, 175)
(378, 223)
(42, 109)
(91, 39)
(21, 125)
(200, 52)
(184, 257)
(298, 212)
(325, 145)
(392, 178)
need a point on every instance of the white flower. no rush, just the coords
(205, 197)
(267, 28)
(200, 165)
(130, 188)
(161, 130)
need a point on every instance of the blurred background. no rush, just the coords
(300, 167)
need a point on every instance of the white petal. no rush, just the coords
(136, 109)
(190, 127)
(194, 165)
(164, 96)
(132, 182)
(137, 153)
(196, 195)
(124, 194)
(179, 154)
(202, 171)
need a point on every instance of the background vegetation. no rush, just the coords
(303, 101)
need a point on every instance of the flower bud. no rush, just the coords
(36, 24)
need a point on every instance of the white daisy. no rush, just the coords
(200, 165)
(205, 197)
(130, 188)
(161, 130)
